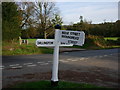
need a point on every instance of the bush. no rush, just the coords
(118, 41)
(113, 42)
(96, 41)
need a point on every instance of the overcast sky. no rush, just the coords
(92, 10)
(96, 12)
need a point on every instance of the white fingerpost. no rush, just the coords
(62, 38)
(54, 79)
(55, 58)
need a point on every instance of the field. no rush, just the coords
(24, 49)
(32, 41)
(106, 38)
(111, 38)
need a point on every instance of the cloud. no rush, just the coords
(87, 0)
(96, 12)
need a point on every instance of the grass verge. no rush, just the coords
(111, 38)
(47, 84)
(16, 49)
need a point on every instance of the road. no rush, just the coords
(104, 61)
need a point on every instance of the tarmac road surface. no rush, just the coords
(79, 61)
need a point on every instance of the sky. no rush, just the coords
(97, 12)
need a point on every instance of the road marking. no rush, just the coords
(27, 63)
(2, 66)
(44, 63)
(17, 67)
(82, 58)
(69, 59)
(64, 61)
(100, 56)
(14, 65)
(49, 61)
(105, 55)
(32, 65)
(40, 62)
(74, 60)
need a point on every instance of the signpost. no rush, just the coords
(49, 43)
(72, 37)
(62, 38)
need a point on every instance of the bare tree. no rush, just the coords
(29, 19)
(45, 12)
(27, 13)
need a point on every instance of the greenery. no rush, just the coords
(10, 21)
(111, 38)
(106, 29)
(18, 21)
(16, 49)
(32, 41)
(47, 84)
(91, 42)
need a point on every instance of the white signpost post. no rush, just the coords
(62, 38)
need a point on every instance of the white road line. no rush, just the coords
(74, 60)
(2, 66)
(82, 58)
(32, 65)
(69, 59)
(61, 60)
(40, 62)
(64, 61)
(49, 61)
(100, 56)
(27, 63)
(17, 67)
(44, 64)
(14, 65)
(105, 55)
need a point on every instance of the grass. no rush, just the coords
(92, 42)
(32, 41)
(47, 84)
(111, 38)
(24, 49)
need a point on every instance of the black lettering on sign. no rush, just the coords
(63, 32)
(42, 43)
(62, 43)
(75, 33)
(72, 42)
(70, 37)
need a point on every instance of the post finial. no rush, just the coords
(57, 26)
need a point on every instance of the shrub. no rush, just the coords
(118, 41)
(96, 41)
